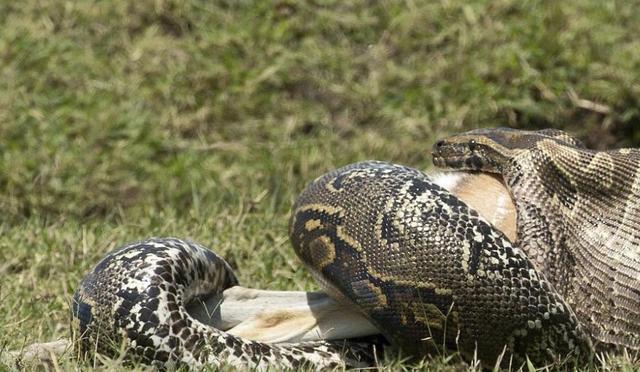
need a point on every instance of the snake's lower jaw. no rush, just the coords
(450, 156)
(438, 161)
(457, 163)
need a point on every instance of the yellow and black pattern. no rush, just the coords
(578, 219)
(426, 269)
(134, 301)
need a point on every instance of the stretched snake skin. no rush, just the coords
(578, 219)
(427, 270)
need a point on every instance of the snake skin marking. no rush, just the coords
(136, 298)
(433, 258)
(578, 220)
(424, 268)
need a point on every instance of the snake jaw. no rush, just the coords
(461, 156)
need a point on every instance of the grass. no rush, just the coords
(122, 120)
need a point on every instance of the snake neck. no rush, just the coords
(577, 221)
(540, 236)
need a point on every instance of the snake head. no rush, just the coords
(487, 150)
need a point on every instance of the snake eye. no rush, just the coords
(472, 145)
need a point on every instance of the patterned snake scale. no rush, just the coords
(578, 219)
(421, 265)
(137, 295)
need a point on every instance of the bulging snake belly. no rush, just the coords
(426, 269)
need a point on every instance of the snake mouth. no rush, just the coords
(449, 155)
(456, 162)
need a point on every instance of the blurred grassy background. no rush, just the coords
(204, 119)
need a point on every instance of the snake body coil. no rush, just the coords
(421, 265)
(578, 219)
(426, 269)
(136, 298)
